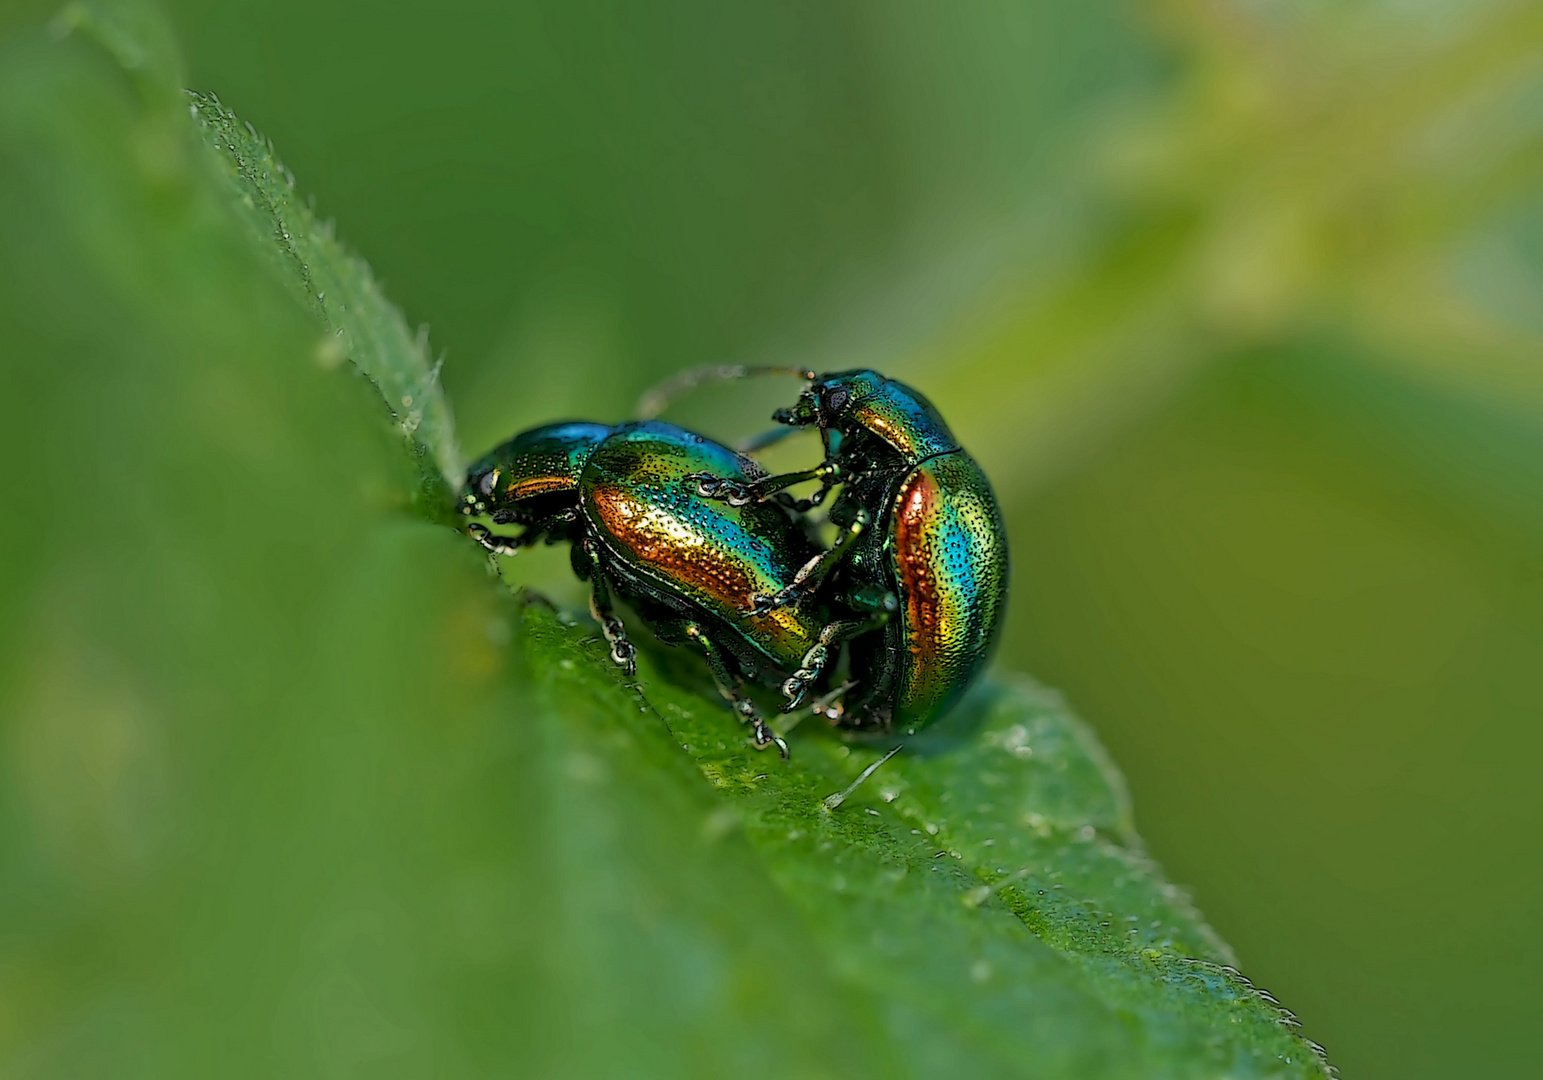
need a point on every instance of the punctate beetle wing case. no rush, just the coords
(945, 546)
(708, 553)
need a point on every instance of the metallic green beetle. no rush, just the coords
(694, 569)
(918, 519)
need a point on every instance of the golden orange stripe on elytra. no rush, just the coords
(892, 429)
(918, 584)
(529, 486)
(694, 563)
(660, 539)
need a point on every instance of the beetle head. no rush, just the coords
(830, 398)
(478, 494)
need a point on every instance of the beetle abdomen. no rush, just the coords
(949, 555)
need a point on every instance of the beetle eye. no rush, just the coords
(486, 482)
(839, 398)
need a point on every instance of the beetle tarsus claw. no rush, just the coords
(493, 544)
(765, 603)
(765, 736)
(720, 489)
(625, 656)
(797, 685)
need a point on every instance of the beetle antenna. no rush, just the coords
(655, 401)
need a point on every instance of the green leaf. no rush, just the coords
(982, 891)
(293, 786)
(367, 328)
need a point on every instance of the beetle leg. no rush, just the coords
(742, 493)
(803, 506)
(813, 573)
(503, 545)
(553, 528)
(729, 687)
(622, 651)
(623, 654)
(816, 659)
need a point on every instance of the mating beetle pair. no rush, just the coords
(707, 548)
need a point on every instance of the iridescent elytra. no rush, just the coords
(691, 567)
(917, 519)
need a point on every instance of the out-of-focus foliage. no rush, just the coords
(1238, 300)
(1312, 164)
(366, 328)
(294, 787)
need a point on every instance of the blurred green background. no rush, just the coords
(1239, 302)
